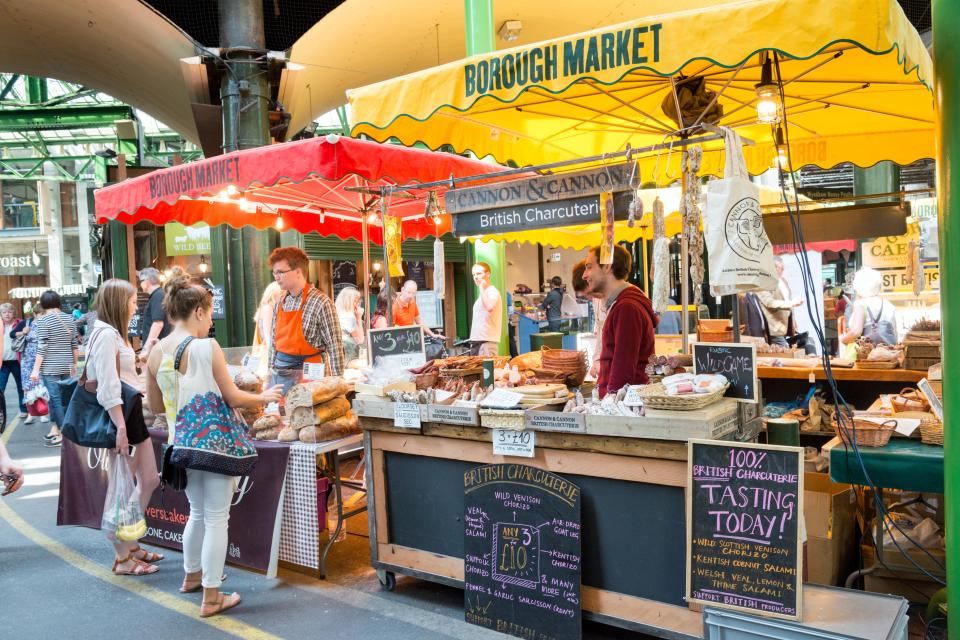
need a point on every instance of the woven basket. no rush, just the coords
(426, 380)
(502, 419)
(571, 362)
(931, 432)
(909, 400)
(866, 433)
(655, 397)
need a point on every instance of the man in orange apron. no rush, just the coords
(305, 323)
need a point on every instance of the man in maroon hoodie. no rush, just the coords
(627, 341)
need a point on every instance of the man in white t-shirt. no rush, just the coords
(487, 313)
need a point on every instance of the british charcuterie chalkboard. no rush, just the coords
(522, 552)
(402, 344)
(735, 361)
(744, 504)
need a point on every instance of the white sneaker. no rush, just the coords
(44, 418)
(28, 420)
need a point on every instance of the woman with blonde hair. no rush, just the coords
(873, 317)
(111, 363)
(351, 321)
(187, 377)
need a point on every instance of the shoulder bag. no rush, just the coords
(209, 437)
(173, 475)
(85, 421)
(20, 342)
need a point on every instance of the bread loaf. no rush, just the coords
(310, 416)
(339, 428)
(314, 392)
(266, 422)
(288, 434)
(267, 434)
(248, 381)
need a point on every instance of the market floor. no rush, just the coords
(57, 582)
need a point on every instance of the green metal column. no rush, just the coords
(119, 263)
(36, 90)
(478, 16)
(946, 79)
(245, 94)
(883, 177)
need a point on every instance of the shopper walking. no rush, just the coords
(56, 360)
(305, 325)
(187, 377)
(11, 359)
(487, 325)
(351, 321)
(111, 362)
(27, 328)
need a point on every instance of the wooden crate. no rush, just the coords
(919, 364)
(922, 350)
(713, 421)
(370, 406)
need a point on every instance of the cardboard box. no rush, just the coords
(829, 513)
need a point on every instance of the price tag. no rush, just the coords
(406, 415)
(508, 442)
(313, 370)
(633, 399)
(502, 399)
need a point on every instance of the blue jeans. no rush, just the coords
(12, 368)
(53, 388)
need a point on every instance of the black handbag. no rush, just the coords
(86, 422)
(173, 475)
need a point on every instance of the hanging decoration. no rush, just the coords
(439, 269)
(607, 239)
(692, 220)
(661, 259)
(392, 236)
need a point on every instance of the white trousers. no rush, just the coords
(205, 536)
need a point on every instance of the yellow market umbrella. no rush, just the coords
(855, 78)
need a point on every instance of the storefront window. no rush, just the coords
(20, 205)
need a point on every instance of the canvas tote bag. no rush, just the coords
(739, 252)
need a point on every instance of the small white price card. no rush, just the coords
(313, 370)
(501, 399)
(633, 399)
(508, 442)
(406, 415)
(251, 363)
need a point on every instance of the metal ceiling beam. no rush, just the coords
(63, 118)
(8, 86)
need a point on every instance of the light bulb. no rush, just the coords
(780, 160)
(377, 266)
(279, 223)
(768, 112)
(203, 267)
(232, 190)
(167, 273)
(372, 218)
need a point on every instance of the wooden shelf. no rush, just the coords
(864, 375)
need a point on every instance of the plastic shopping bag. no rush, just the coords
(739, 251)
(122, 514)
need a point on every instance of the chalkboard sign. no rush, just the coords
(736, 361)
(217, 291)
(744, 505)
(401, 344)
(431, 310)
(522, 551)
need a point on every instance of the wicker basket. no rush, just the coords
(571, 362)
(909, 400)
(426, 380)
(655, 397)
(502, 419)
(866, 433)
(716, 330)
(931, 431)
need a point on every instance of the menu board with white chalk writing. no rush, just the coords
(744, 510)
(522, 552)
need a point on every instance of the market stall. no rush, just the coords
(829, 92)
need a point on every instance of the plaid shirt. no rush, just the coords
(321, 327)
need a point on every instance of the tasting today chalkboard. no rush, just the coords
(522, 552)
(403, 344)
(744, 504)
(737, 362)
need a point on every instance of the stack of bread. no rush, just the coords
(318, 411)
(251, 383)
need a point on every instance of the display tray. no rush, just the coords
(383, 390)
(877, 364)
(711, 422)
(371, 406)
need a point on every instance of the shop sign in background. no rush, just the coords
(897, 280)
(888, 252)
(187, 241)
(23, 264)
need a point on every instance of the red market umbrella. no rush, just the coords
(304, 184)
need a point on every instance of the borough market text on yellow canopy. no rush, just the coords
(855, 77)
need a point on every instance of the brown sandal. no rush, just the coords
(192, 585)
(148, 556)
(139, 568)
(224, 602)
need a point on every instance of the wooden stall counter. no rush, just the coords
(632, 514)
(861, 375)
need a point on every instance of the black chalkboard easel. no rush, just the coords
(403, 344)
(744, 515)
(522, 554)
(736, 361)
